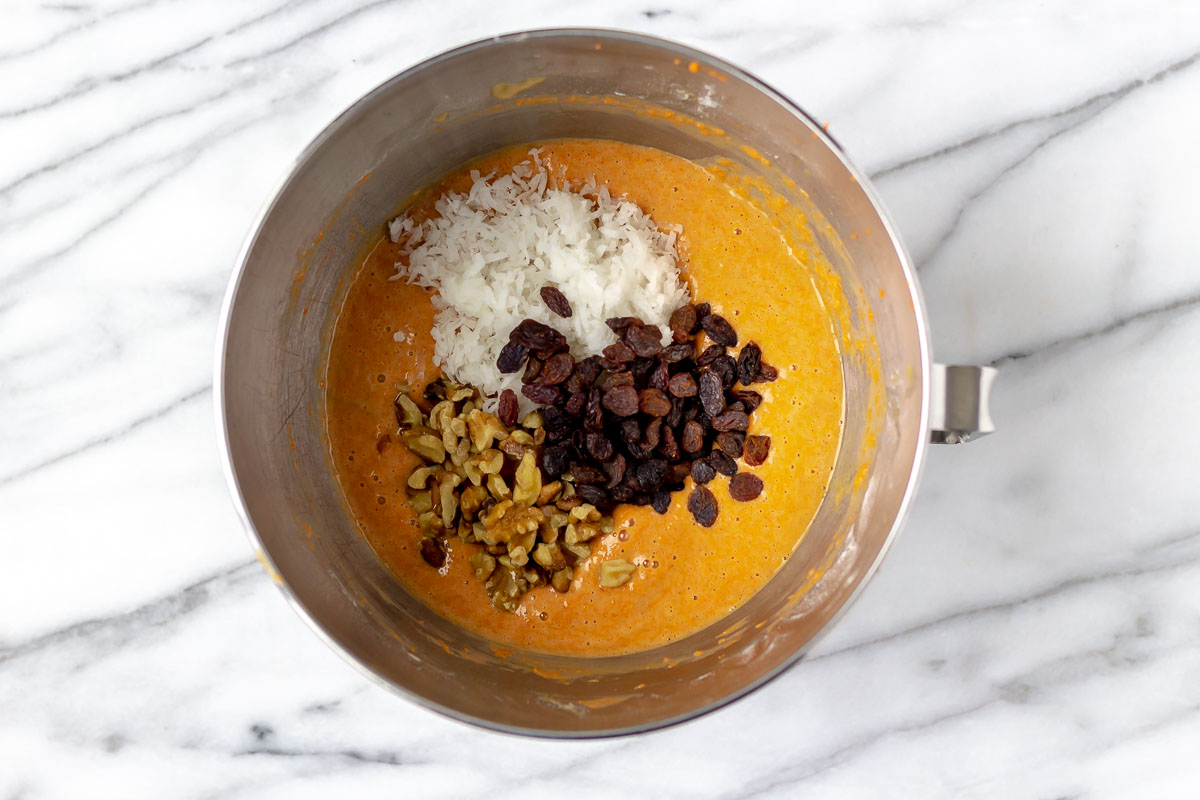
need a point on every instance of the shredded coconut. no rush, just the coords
(489, 252)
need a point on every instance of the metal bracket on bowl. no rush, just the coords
(958, 407)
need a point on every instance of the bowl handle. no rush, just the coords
(958, 407)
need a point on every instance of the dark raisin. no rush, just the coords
(512, 356)
(555, 459)
(744, 487)
(719, 330)
(617, 355)
(709, 355)
(576, 403)
(677, 352)
(766, 373)
(702, 471)
(641, 499)
(586, 473)
(731, 442)
(640, 369)
(509, 408)
(726, 367)
(756, 450)
(679, 473)
(575, 383)
(532, 367)
(639, 451)
(619, 325)
(556, 369)
(556, 301)
(614, 469)
(596, 495)
(703, 506)
(599, 446)
(702, 310)
(593, 415)
(748, 363)
(712, 393)
(631, 431)
(432, 552)
(542, 395)
(621, 400)
(622, 493)
(661, 501)
(722, 463)
(750, 400)
(692, 439)
(731, 420)
(611, 380)
(645, 340)
(590, 369)
(669, 447)
(683, 322)
(651, 475)
(538, 337)
(675, 415)
(659, 377)
(555, 420)
(682, 385)
(654, 402)
(653, 433)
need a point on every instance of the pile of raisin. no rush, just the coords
(631, 424)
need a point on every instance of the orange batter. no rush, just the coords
(687, 576)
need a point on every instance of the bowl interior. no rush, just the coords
(352, 179)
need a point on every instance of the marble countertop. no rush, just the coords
(1034, 633)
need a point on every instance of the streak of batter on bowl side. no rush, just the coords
(687, 577)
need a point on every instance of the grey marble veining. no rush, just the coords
(1034, 633)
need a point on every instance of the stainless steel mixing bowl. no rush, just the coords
(419, 125)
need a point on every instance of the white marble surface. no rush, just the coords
(1035, 633)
